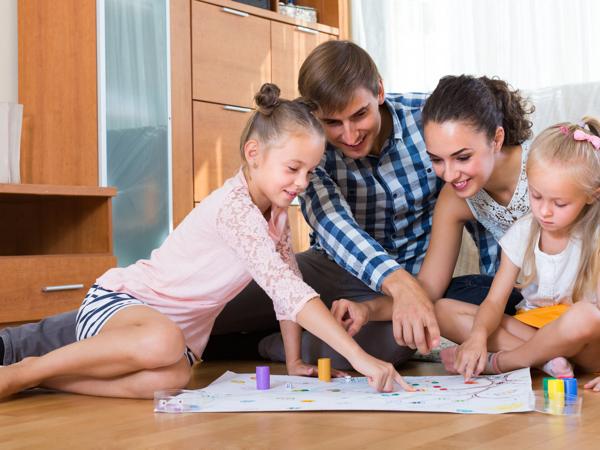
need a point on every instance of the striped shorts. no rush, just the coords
(99, 306)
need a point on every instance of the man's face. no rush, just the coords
(355, 129)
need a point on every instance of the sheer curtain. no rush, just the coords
(530, 43)
(137, 124)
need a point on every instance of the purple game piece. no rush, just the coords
(263, 378)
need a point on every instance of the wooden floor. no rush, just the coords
(42, 419)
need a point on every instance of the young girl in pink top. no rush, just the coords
(141, 327)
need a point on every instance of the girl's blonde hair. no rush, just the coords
(274, 117)
(580, 158)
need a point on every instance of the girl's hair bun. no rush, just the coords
(267, 98)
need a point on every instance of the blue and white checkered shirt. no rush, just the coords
(373, 215)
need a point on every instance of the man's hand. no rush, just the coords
(413, 317)
(351, 315)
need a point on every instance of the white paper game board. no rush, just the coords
(232, 392)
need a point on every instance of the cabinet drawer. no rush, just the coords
(291, 45)
(231, 55)
(217, 130)
(22, 297)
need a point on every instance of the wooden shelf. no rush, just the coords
(55, 190)
(272, 15)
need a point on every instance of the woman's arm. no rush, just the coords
(449, 218)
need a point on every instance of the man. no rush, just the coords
(370, 204)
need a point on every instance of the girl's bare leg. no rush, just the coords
(140, 384)
(455, 319)
(575, 335)
(135, 339)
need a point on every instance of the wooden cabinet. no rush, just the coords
(290, 45)
(217, 130)
(234, 48)
(231, 54)
(54, 242)
(55, 227)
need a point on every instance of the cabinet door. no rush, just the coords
(217, 130)
(231, 56)
(291, 45)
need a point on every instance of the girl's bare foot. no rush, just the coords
(558, 368)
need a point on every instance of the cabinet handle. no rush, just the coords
(235, 12)
(64, 287)
(307, 30)
(237, 108)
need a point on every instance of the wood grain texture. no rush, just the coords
(231, 55)
(23, 278)
(38, 419)
(216, 146)
(58, 88)
(181, 108)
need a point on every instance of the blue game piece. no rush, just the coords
(570, 387)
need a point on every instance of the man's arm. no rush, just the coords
(328, 213)
(351, 247)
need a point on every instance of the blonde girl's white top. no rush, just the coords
(221, 245)
(556, 274)
(496, 218)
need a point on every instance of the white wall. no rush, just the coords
(8, 51)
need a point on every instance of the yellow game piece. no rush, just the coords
(556, 389)
(324, 365)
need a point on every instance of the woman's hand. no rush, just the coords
(471, 357)
(299, 367)
(351, 315)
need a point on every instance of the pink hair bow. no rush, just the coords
(579, 135)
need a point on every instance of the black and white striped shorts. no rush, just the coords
(99, 306)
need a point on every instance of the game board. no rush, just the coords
(232, 392)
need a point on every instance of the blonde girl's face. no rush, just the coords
(556, 199)
(461, 155)
(282, 171)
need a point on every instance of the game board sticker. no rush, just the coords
(232, 392)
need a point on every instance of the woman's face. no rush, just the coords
(461, 155)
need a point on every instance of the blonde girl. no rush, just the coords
(556, 252)
(140, 328)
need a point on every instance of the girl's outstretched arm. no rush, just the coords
(316, 318)
(449, 218)
(472, 354)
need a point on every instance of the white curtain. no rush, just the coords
(530, 43)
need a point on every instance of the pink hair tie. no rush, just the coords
(579, 135)
(564, 130)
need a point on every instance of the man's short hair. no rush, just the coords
(332, 73)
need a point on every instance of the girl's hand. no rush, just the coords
(351, 315)
(594, 384)
(299, 367)
(471, 357)
(380, 374)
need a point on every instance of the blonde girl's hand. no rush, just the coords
(594, 384)
(300, 368)
(351, 315)
(471, 357)
(380, 374)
